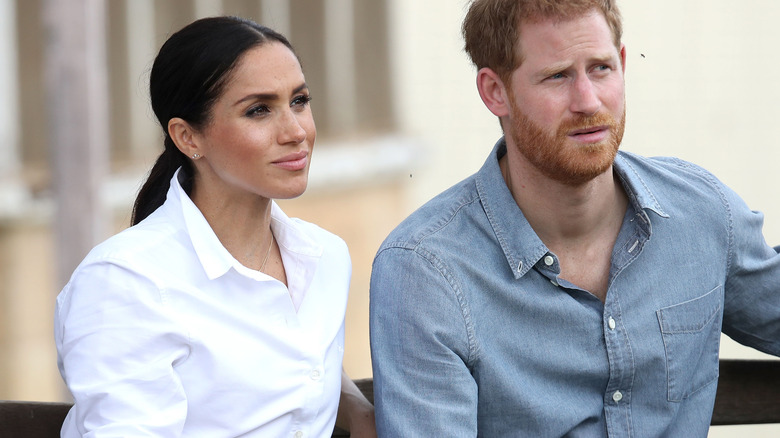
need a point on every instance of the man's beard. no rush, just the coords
(556, 157)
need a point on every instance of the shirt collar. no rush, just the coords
(215, 258)
(519, 242)
(637, 190)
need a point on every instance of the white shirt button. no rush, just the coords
(549, 260)
(520, 266)
(611, 323)
(617, 396)
(315, 374)
(298, 434)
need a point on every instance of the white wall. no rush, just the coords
(436, 97)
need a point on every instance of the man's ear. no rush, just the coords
(183, 135)
(623, 57)
(493, 92)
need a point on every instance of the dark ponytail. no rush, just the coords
(152, 193)
(188, 76)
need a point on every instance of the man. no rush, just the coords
(565, 289)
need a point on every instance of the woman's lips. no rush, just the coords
(295, 161)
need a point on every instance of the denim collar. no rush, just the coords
(520, 243)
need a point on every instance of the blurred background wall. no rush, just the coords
(398, 118)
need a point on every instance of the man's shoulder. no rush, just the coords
(670, 173)
(434, 216)
(671, 186)
(661, 166)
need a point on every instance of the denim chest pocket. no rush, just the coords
(691, 335)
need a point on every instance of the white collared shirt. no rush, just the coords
(161, 332)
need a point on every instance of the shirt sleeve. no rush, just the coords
(117, 348)
(420, 349)
(752, 293)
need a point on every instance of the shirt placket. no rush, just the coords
(617, 395)
(622, 367)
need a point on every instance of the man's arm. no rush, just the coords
(420, 348)
(752, 294)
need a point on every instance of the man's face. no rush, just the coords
(567, 101)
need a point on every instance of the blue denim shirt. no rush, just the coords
(474, 334)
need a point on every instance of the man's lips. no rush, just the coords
(591, 134)
(294, 161)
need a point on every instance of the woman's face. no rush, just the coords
(260, 135)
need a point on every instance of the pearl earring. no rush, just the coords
(195, 156)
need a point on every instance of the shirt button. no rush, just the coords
(617, 396)
(611, 323)
(298, 434)
(520, 266)
(549, 260)
(315, 375)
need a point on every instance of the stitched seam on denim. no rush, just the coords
(716, 185)
(628, 345)
(703, 385)
(444, 221)
(627, 409)
(636, 237)
(500, 236)
(666, 357)
(639, 178)
(418, 237)
(465, 310)
(715, 312)
(630, 193)
(714, 315)
(664, 338)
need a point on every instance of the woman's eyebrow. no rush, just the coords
(269, 96)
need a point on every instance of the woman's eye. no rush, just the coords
(301, 100)
(257, 110)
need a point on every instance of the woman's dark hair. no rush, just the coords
(188, 76)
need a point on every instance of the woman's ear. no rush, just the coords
(493, 92)
(183, 135)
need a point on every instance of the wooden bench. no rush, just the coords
(748, 393)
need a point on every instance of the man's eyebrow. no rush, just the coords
(562, 67)
(269, 96)
(551, 70)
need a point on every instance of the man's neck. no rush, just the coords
(580, 224)
(561, 212)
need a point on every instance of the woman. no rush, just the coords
(215, 314)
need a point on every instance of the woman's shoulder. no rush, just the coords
(317, 232)
(305, 233)
(147, 243)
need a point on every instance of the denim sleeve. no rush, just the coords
(420, 348)
(752, 294)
